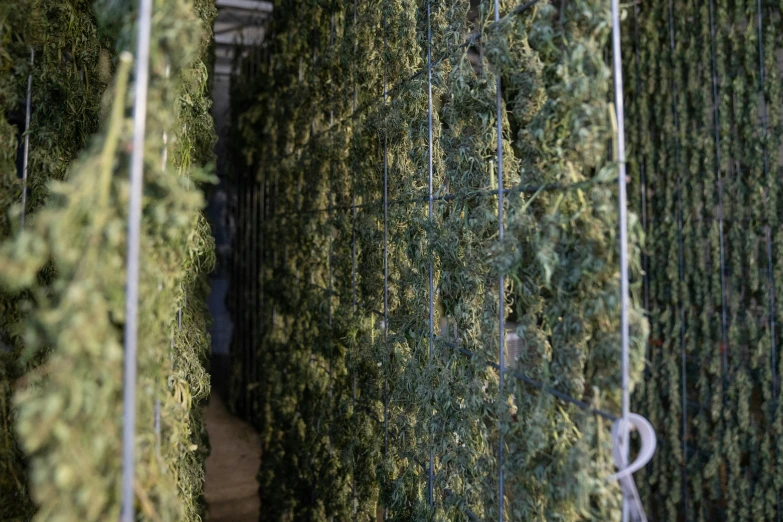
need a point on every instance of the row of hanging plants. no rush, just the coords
(705, 126)
(354, 387)
(70, 69)
(63, 277)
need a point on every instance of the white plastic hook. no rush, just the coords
(625, 475)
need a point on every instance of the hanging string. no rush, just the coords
(385, 253)
(353, 254)
(681, 274)
(768, 237)
(134, 239)
(330, 261)
(26, 152)
(247, 290)
(623, 218)
(253, 290)
(431, 472)
(719, 173)
(501, 282)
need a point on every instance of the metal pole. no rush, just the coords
(134, 239)
(643, 189)
(623, 215)
(353, 187)
(26, 152)
(246, 292)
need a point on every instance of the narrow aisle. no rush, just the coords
(231, 488)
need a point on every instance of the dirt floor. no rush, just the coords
(231, 487)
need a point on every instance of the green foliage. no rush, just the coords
(712, 203)
(349, 407)
(70, 74)
(69, 263)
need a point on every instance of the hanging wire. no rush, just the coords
(681, 273)
(134, 237)
(768, 239)
(248, 303)
(488, 193)
(623, 217)
(431, 472)
(385, 256)
(331, 175)
(501, 282)
(719, 173)
(643, 189)
(26, 152)
(770, 275)
(449, 493)
(353, 254)
(261, 266)
(241, 271)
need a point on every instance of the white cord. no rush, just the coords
(620, 451)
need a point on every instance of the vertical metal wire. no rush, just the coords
(385, 252)
(719, 174)
(681, 276)
(134, 238)
(501, 282)
(258, 277)
(623, 217)
(253, 288)
(156, 426)
(643, 189)
(330, 217)
(26, 152)
(353, 184)
(246, 296)
(768, 237)
(240, 285)
(353, 251)
(262, 263)
(431, 479)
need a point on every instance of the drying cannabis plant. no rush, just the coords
(65, 271)
(335, 131)
(706, 107)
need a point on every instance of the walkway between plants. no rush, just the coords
(231, 488)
